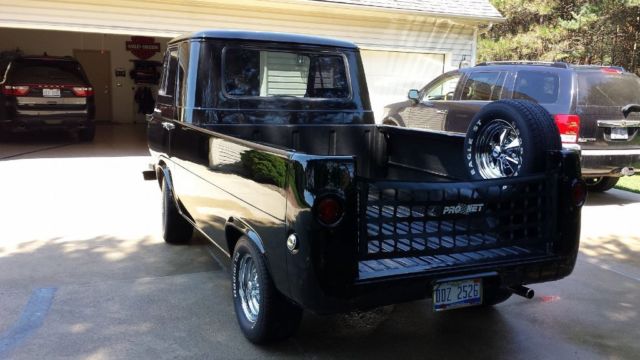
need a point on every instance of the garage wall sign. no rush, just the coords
(143, 47)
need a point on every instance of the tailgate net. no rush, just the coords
(402, 219)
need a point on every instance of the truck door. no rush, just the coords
(161, 121)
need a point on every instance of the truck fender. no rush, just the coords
(235, 228)
(166, 174)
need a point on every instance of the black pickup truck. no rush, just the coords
(266, 144)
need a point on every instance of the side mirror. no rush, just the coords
(414, 95)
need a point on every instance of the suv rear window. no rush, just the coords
(46, 71)
(249, 72)
(538, 86)
(597, 88)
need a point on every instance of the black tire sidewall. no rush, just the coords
(254, 331)
(529, 128)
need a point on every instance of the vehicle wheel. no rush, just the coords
(264, 315)
(87, 134)
(175, 229)
(601, 184)
(509, 138)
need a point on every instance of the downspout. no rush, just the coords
(474, 47)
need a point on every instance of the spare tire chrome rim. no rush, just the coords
(498, 150)
(249, 288)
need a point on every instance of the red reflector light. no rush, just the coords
(579, 192)
(15, 90)
(329, 211)
(569, 126)
(82, 91)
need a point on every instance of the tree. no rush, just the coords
(576, 31)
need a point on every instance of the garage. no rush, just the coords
(405, 44)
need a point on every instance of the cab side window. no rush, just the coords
(181, 75)
(167, 87)
(482, 86)
(443, 89)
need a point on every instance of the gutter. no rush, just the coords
(385, 10)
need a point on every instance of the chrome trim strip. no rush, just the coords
(24, 100)
(610, 152)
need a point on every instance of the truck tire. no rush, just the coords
(175, 228)
(509, 138)
(264, 315)
(601, 184)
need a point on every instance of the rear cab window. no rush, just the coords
(267, 73)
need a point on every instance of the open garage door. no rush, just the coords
(391, 74)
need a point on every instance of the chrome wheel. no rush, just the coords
(249, 288)
(498, 150)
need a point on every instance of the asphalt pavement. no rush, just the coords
(84, 274)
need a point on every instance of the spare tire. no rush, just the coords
(509, 138)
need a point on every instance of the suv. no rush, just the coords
(593, 107)
(41, 93)
(265, 143)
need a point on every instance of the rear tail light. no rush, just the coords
(82, 91)
(569, 126)
(579, 192)
(15, 90)
(329, 210)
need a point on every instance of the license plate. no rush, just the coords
(457, 294)
(51, 92)
(619, 134)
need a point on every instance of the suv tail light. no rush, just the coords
(569, 126)
(15, 90)
(329, 210)
(82, 91)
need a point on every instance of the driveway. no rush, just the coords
(84, 273)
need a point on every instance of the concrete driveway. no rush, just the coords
(84, 273)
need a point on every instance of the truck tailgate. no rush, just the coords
(409, 227)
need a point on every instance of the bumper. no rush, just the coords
(381, 292)
(608, 162)
(46, 122)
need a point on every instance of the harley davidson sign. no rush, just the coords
(143, 47)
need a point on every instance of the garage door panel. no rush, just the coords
(391, 74)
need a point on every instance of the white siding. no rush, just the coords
(170, 18)
(371, 30)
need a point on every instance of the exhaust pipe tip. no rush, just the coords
(523, 291)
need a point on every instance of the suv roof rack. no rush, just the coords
(557, 64)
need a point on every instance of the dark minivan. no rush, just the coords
(46, 92)
(593, 107)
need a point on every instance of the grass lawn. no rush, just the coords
(629, 183)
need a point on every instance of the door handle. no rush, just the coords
(168, 126)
